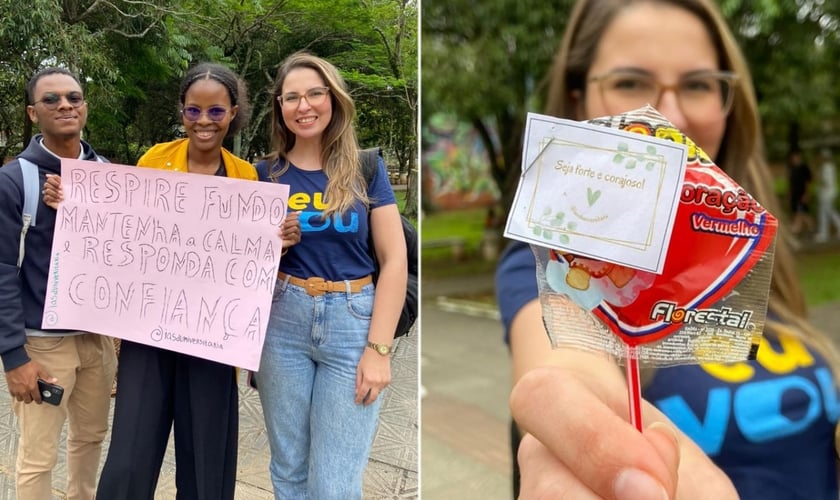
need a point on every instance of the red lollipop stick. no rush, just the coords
(634, 387)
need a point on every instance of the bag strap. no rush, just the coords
(30, 190)
(370, 162)
(30, 201)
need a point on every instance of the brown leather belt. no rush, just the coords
(316, 286)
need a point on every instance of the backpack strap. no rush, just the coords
(370, 162)
(369, 159)
(30, 190)
(30, 201)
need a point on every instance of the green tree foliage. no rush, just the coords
(36, 33)
(132, 55)
(792, 47)
(484, 61)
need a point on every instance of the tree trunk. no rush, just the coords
(27, 124)
(410, 210)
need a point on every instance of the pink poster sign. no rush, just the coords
(178, 261)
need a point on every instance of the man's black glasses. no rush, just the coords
(50, 100)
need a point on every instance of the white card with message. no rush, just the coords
(598, 192)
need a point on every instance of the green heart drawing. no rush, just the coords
(592, 196)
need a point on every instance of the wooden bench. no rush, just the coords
(458, 245)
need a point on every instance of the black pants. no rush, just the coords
(155, 388)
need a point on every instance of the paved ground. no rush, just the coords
(466, 380)
(392, 471)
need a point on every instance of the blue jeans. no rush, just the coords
(319, 437)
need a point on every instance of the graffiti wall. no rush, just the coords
(455, 168)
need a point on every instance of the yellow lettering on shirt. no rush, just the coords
(318, 202)
(730, 372)
(792, 355)
(301, 201)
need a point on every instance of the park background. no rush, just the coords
(481, 72)
(131, 56)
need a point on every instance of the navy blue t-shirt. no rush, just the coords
(335, 249)
(768, 424)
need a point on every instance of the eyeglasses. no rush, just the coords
(313, 96)
(51, 100)
(215, 113)
(698, 94)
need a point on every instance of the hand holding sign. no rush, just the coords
(179, 261)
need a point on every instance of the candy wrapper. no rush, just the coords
(673, 270)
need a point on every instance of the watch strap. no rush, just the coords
(383, 349)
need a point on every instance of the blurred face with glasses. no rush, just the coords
(206, 115)
(59, 109)
(670, 64)
(305, 104)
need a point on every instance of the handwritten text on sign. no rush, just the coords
(179, 261)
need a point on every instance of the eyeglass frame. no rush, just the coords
(204, 112)
(327, 90)
(731, 79)
(54, 105)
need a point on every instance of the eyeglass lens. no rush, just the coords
(51, 100)
(314, 97)
(215, 113)
(697, 94)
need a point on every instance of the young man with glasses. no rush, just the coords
(82, 363)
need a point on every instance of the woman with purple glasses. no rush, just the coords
(158, 387)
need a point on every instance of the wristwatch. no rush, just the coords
(382, 349)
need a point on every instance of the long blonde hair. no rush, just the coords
(340, 150)
(741, 154)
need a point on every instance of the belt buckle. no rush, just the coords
(315, 286)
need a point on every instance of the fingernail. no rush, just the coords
(633, 484)
(671, 431)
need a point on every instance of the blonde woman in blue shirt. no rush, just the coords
(326, 359)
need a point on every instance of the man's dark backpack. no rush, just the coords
(369, 159)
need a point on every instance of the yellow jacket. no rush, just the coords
(173, 156)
